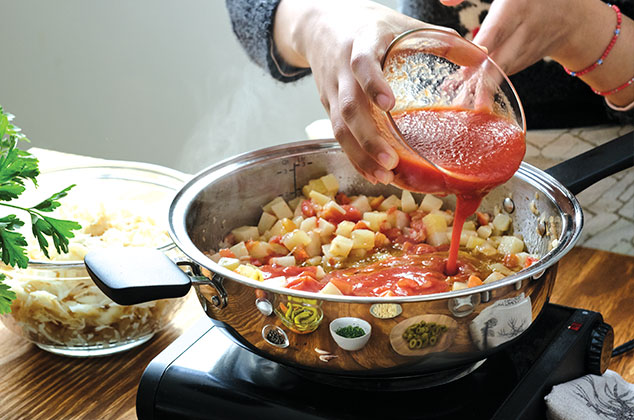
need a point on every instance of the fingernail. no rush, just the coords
(382, 176)
(387, 160)
(383, 101)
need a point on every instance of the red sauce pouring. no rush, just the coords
(474, 151)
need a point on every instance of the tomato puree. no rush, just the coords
(405, 275)
(473, 151)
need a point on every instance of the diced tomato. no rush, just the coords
(421, 249)
(511, 260)
(230, 239)
(406, 283)
(300, 254)
(361, 224)
(341, 198)
(308, 210)
(277, 239)
(415, 234)
(227, 253)
(474, 281)
(530, 261)
(351, 214)
(380, 240)
(483, 218)
(393, 234)
(305, 283)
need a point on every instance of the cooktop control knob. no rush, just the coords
(600, 348)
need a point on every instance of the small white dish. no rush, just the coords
(350, 344)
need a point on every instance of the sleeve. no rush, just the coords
(252, 22)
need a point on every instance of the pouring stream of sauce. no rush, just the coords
(475, 151)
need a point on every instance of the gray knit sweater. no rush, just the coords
(551, 98)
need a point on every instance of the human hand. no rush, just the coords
(518, 33)
(343, 43)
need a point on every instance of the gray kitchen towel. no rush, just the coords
(592, 397)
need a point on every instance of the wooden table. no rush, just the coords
(39, 385)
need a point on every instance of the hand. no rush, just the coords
(343, 43)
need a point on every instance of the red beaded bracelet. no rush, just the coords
(594, 65)
(616, 89)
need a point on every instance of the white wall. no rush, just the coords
(156, 81)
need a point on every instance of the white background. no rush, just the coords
(156, 81)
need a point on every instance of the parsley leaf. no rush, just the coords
(16, 168)
(6, 296)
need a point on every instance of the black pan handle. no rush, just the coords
(582, 171)
(134, 275)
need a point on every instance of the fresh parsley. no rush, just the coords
(17, 167)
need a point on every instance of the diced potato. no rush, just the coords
(325, 228)
(259, 249)
(330, 289)
(246, 233)
(501, 268)
(275, 282)
(333, 206)
(464, 236)
(239, 250)
(474, 241)
(485, 231)
(288, 225)
(435, 223)
(229, 263)
(408, 204)
(314, 185)
(401, 220)
(250, 272)
(309, 224)
(295, 202)
(267, 220)
(502, 222)
(522, 257)
(448, 216)
(469, 225)
(494, 276)
(287, 261)
(510, 245)
(430, 203)
(281, 210)
(276, 229)
(380, 239)
(330, 184)
(486, 249)
(278, 249)
(319, 198)
(344, 228)
(267, 207)
(362, 239)
(297, 212)
(362, 204)
(313, 248)
(314, 260)
(215, 257)
(295, 238)
(458, 285)
(388, 203)
(320, 273)
(340, 246)
(375, 219)
(297, 220)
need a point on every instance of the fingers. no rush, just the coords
(365, 63)
(356, 131)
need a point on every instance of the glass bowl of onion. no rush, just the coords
(57, 305)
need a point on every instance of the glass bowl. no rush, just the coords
(58, 307)
(441, 76)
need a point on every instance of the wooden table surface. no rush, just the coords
(38, 385)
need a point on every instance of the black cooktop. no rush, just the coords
(204, 375)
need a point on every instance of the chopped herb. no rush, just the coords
(16, 167)
(350, 331)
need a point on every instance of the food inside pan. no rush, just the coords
(327, 242)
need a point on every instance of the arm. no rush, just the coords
(575, 33)
(343, 42)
